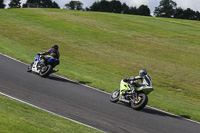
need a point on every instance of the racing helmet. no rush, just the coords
(55, 46)
(143, 72)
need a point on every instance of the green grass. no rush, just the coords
(103, 48)
(17, 117)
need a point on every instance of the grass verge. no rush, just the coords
(17, 117)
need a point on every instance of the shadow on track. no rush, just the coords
(157, 112)
(66, 80)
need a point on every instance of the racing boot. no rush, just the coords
(56, 70)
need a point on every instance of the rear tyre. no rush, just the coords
(140, 103)
(46, 71)
(114, 97)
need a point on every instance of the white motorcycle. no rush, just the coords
(44, 69)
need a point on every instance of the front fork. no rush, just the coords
(135, 96)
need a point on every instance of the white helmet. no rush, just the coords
(143, 72)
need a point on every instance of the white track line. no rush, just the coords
(99, 91)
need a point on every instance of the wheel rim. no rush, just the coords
(115, 94)
(44, 69)
(138, 101)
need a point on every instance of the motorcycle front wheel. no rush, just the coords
(139, 102)
(46, 71)
(29, 67)
(114, 97)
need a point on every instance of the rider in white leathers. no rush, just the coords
(145, 80)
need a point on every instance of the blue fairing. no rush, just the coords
(36, 58)
(53, 61)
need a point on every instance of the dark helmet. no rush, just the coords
(55, 46)
(143, 72)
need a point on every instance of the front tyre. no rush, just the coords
(29, 67)
(46, 71)
(140, 102)
(114, 97)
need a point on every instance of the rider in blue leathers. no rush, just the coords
(53, 52)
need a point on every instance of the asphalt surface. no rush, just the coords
(84, 104)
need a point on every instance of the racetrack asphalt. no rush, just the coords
(86, 105)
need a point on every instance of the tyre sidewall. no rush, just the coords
(47, 72)
(142, 104)
(116, 98)
(29, 68)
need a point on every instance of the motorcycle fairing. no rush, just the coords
(34, 67)
(123, 87)
(37, 57)
(145, 89)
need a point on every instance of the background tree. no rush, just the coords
(125, 9)
(55, 5)
(94, 6)
(104, 6)
(48, 4)
(143, 10)
(198, 15)
(179, 13)
(190, 14)
(32, 3)
(2, 5)
(165, 9)
(115, 6)
(133, 10)
(74, 5)
(186, 14)
(14, 4)
(101, 6)
(41, 3)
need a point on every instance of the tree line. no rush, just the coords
(169, 9)
(116, 6)
(30, 3)
(166, 8)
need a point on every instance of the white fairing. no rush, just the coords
(34, 67)
(122, 82)
(146, 87)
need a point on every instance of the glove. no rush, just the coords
(42, 53)
(126, 79)
(132, 78)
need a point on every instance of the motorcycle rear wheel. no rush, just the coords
(47, 72)
(140, 103)
(114, 97)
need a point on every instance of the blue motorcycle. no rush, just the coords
(43, 64)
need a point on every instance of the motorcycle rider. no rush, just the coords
(145, 81)
(53, 52)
